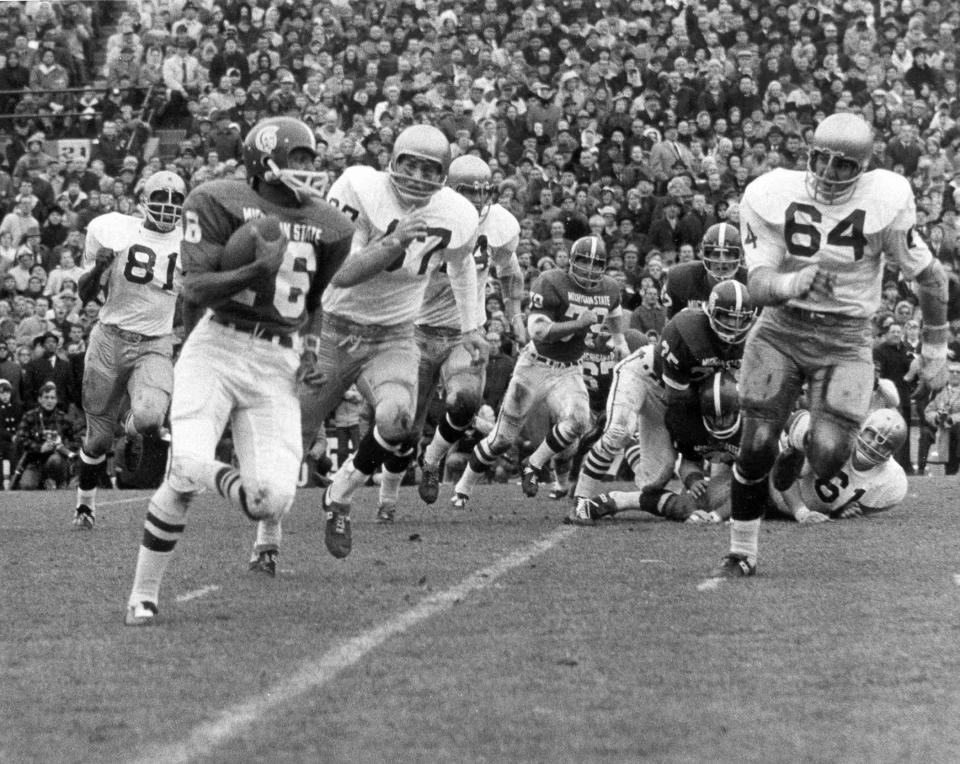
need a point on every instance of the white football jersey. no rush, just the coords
(879, 487)
(497, 239)
(146, 276)
(394, 295)
(783, 227)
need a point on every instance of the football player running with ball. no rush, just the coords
(129, 356)
(241, 361)
(409, 224)
(813, 243)
(442, 358)
(565, 306)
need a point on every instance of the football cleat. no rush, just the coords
(140, 614)
(83, 519)
(265, 562)
(386, 512)
(429, 486)
(459, 500)
(336, 532)
(529, 479)
(558, 492)
(734, 566)
(786, 468)
(582, 514)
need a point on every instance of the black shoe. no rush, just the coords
(529, 479)
(786, 468)
(429, 487)
(265, 562)
(83, 519)
(734, 566)
(336, 532)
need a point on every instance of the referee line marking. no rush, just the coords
(112, 502)
(313, 674)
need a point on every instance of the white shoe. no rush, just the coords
(459, 500)
(140, 614)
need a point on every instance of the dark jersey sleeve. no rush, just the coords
(547, 300)
(207, 225)
(674, 358)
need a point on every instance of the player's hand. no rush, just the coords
(698, 492)
(411, 228)
(104, 257)
(933, 375)
(308, 373)
(587, 319)
(701, 516)
(269, 254)
(812, 281)
(807, 516)
(620, 347)
(477, 346)
(850, 511)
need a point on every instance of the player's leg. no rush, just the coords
(527, 385)
(463, 385)
(267, 443)
(569, 400)
(104, 388)
(770, 381)
(201, 406)
(388, 381)
(432, 353)
(839, 398)
(624, 401)
(149, 388)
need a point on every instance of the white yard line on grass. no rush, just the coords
(205, 738)
(197, 593)
(122, 501)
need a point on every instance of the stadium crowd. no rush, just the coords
(640, 122)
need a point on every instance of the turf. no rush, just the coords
(602, 648)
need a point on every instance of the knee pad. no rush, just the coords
(615, 438)
(149, 410)
(268, 501)
(461, 406)
(759, 445)
(97, 443)
(394, 420)
(829, 445)
(185, 474)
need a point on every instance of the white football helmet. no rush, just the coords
(470, 177)
(423, 142)
(163, 195)
(839, 154)
(881, 436)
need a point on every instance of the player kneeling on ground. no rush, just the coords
(870, 481)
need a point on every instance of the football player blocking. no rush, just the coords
(565, 306)
(129, 357)
(409, 225)
(241, 360)
(813, 242)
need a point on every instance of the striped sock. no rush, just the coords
(166, 519)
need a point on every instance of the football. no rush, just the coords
(241, 248)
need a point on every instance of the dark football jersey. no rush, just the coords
(319, 241)
(693, 442)
(690, 351)
(598, 363)
(558, 297)
(688, 285)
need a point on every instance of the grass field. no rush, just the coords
(491, 635)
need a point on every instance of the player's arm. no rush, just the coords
(546, 302)
(511, 285)
(769, 281)
(932, 291)
(614, 323)
(794, 506)
(207, 227)
(100, 257)
(463, 282)
(367, 262)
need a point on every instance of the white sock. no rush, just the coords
(745, 538)
(346, 481)
(390, 486)
(436, 450)
(169, 509)
(87, 497)
(269, 534)
(542, 456)
(467, 480)
(625, 499)
(587, 487)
